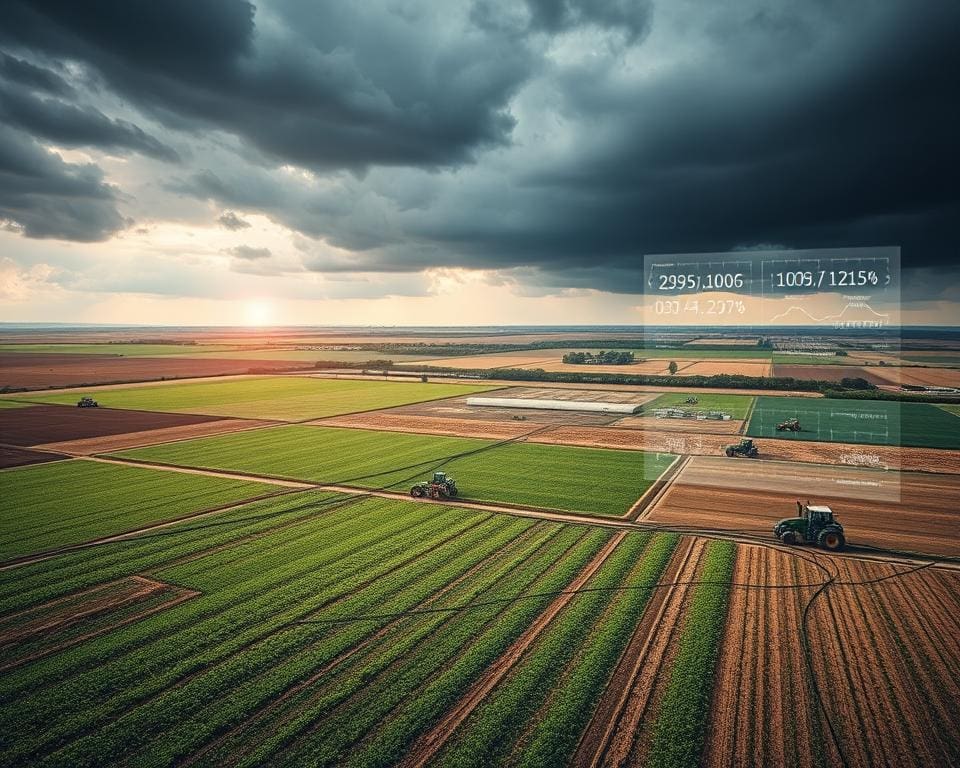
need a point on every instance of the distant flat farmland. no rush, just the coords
(127, 350)
(308, 355)
(870, 422)
(548, 476)
(280, 398)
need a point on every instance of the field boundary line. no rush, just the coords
(428, 744)
(227, 475)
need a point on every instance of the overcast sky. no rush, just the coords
(460, 161)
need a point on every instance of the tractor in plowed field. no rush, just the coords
(440, 487)
(745, 449)
(87, 402)
(813, 525)
(790, 425)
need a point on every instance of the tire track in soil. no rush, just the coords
(189, 677)
(272, 705)
(427, 746)
(609, 735)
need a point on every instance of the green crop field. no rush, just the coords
(736, 405)
(321, 629)
(13, 404)
(780, 358)
(703, 354)
(284, 398)
(127, 350)
(872, 422)
(589, 480)
(68, 502)
(954, 409)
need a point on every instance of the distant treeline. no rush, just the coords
(456, 350)
(601, 358)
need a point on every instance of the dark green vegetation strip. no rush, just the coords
(558, 682)
(591, 480)
(285, 398)
(681, 722)
(856, 421)
(68, 502)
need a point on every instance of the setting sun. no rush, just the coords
(258, 312)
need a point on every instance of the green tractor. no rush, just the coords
(790, 425)
(746, 449)
(87, 402)
(813, 525)
(441, 487)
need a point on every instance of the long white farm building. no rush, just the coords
(554, 405)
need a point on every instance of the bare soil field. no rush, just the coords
(883, 658)
(732, 367)
(828, 372)
(660, 441)
(43, 371)
(107, 443)
(526, 359)
(19, 457)
(701, 427)
(41, 424)
(924, 377)
(896, 510)
(646, 367)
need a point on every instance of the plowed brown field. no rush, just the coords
(28, 370)
(732, 367)
(884, 656)
(19, 457)
(828, 372)
(107, 443)
(922, 377)
(55, 423)
(904, 511)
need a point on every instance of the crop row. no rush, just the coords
(212, 628)
(681, 721)
(68, 502)
(565, 476)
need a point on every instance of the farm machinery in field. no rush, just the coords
(87, 402)
(813, 525)
(691, 401)
(440, 487)
(745, 449)
(790, 425)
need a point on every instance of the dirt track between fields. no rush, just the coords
(428, 744)
(906, 511)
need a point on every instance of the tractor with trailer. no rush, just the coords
(745, 449)
(440, 487)
(87, 402)
(812, 525)
(790, 425)
(691, 401)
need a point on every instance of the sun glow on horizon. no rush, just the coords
(258, 312)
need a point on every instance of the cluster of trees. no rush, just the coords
(612, 357)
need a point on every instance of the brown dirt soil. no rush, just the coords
(705, 427)
(923, 377)
(50, 620)
(19, 457)
(108, 443)
(828, 372)
(624, 712)
(884, 656)
(529, 359)
(429, 743)
(903, 511)
(733, 367)
(646, 367)
(662, 441)
(23, 370)
(44, 424)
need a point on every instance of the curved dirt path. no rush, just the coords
(428, 744)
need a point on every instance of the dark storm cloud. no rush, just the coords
(343, 88)
(45, 197)
(249, 253)
(74, 126)
(230, 220)
(562, 139)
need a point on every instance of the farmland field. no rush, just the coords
(13, 404)
(872, 422)
(549, 476)
(346, 355)
(954, 409)
(42, 510)
(736, 405)
(281, 398)
(128, 350)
